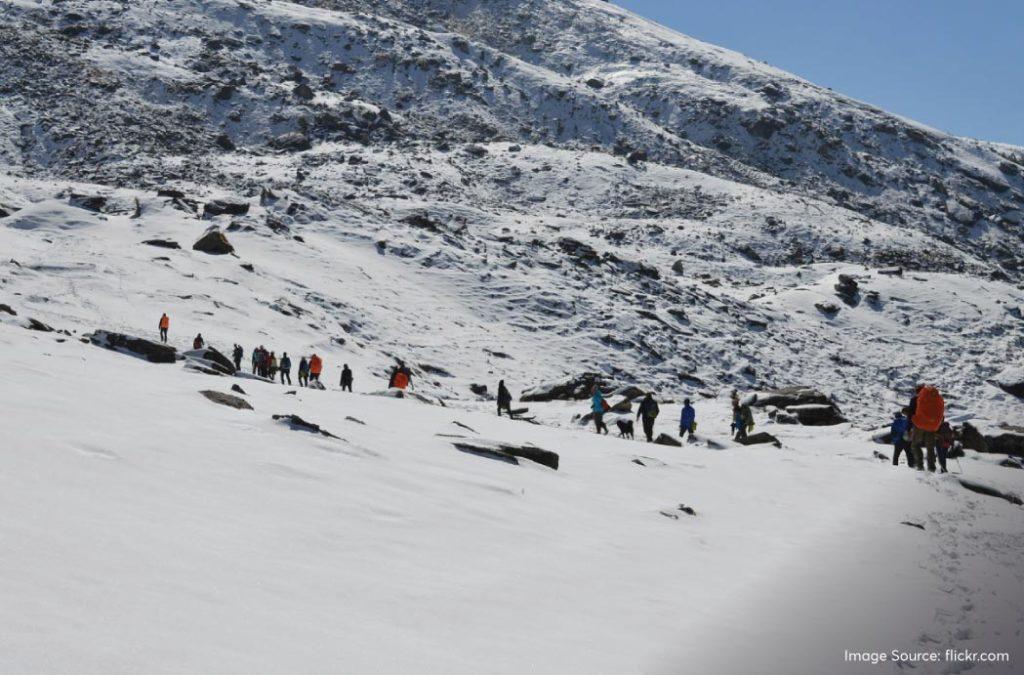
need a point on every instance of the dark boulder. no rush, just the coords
(665, 439)
(226, 399)
(298, 424)
(595, 83)
(848, 289)
(154, 352)
(237, 389)
(807, 405)
(293, 141)
(509, 452)
(214, 242)
(1005, 439)
(990, 491)
(7, 309)
(829, 309)
(760, 438)
(36, 324)
(88, 202)
(220, 207)
(1011, 380)
(574, 388)
(211, 359)
(162, 243)
(478, 389)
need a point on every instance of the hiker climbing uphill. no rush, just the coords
(198, 342)
(346, 378)
(165, 323)
(504, 399)
(944, 441)
(236, 354)
(647, 413)
(899, 433)
(598, 406)
(687, 420)
(303, 372)
(401, 377)
(929, 413)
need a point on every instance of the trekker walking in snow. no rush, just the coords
(647, 413)
(944, 443)
(286, 368)
(198, 343)
(272, 366)
(598, 406)
(504, 399)
(303, 372)
(929, 413)
(401, 377)
(255, 360)
(687, 420)
(165, 323)
(346, 378)
(316, 366)
(743, 421)
(237, 353)
(899, 432)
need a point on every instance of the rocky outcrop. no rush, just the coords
(508, 452)
(990, 491)
(213, 242)
(575, 388)
(228, 400)
(221, 207)
(1004, 439)
(162, 243)
(1011, 380)
(209, 359)
(154, 352)
(806, 405)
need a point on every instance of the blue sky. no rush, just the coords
(954, 65)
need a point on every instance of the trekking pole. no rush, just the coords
(958, 464)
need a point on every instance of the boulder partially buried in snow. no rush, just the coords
(508, 452)
(574, 388)
(229, 400)
(209, 359)
(153, 352)
(759, 438)
(1003, 439)
(213, 242)
(806, 404)
(297, 423)
(1011, 380)
(222, 207)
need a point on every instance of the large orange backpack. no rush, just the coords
(401, 380)
(931, 409)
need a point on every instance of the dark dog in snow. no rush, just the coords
(625, 428)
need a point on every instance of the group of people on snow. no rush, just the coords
(647, 412)
(922, 425)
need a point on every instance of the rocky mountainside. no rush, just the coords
(561, 182)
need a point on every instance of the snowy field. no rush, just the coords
(147, 529)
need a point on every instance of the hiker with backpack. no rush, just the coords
(401, 377)
(504, 399)
(255, 360)
(285, 367)
(272, 366)
(316, 366)
(687, 420)
(346, 378)
(743, 420)
(899, 433)
(598, 407)
(303, 372)
(929, 413)
(165, 323)
(648, 412)
(198, 342)
(236, 354)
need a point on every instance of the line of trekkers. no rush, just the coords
(920, 425)
(267, 364)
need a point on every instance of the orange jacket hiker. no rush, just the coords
(931, 409)
(316, 365)
(401, 380)
(165, 322)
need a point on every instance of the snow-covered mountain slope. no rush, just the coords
(585, 189)
(148, 529)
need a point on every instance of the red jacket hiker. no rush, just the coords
(930, 411)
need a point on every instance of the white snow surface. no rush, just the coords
(147, 529)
